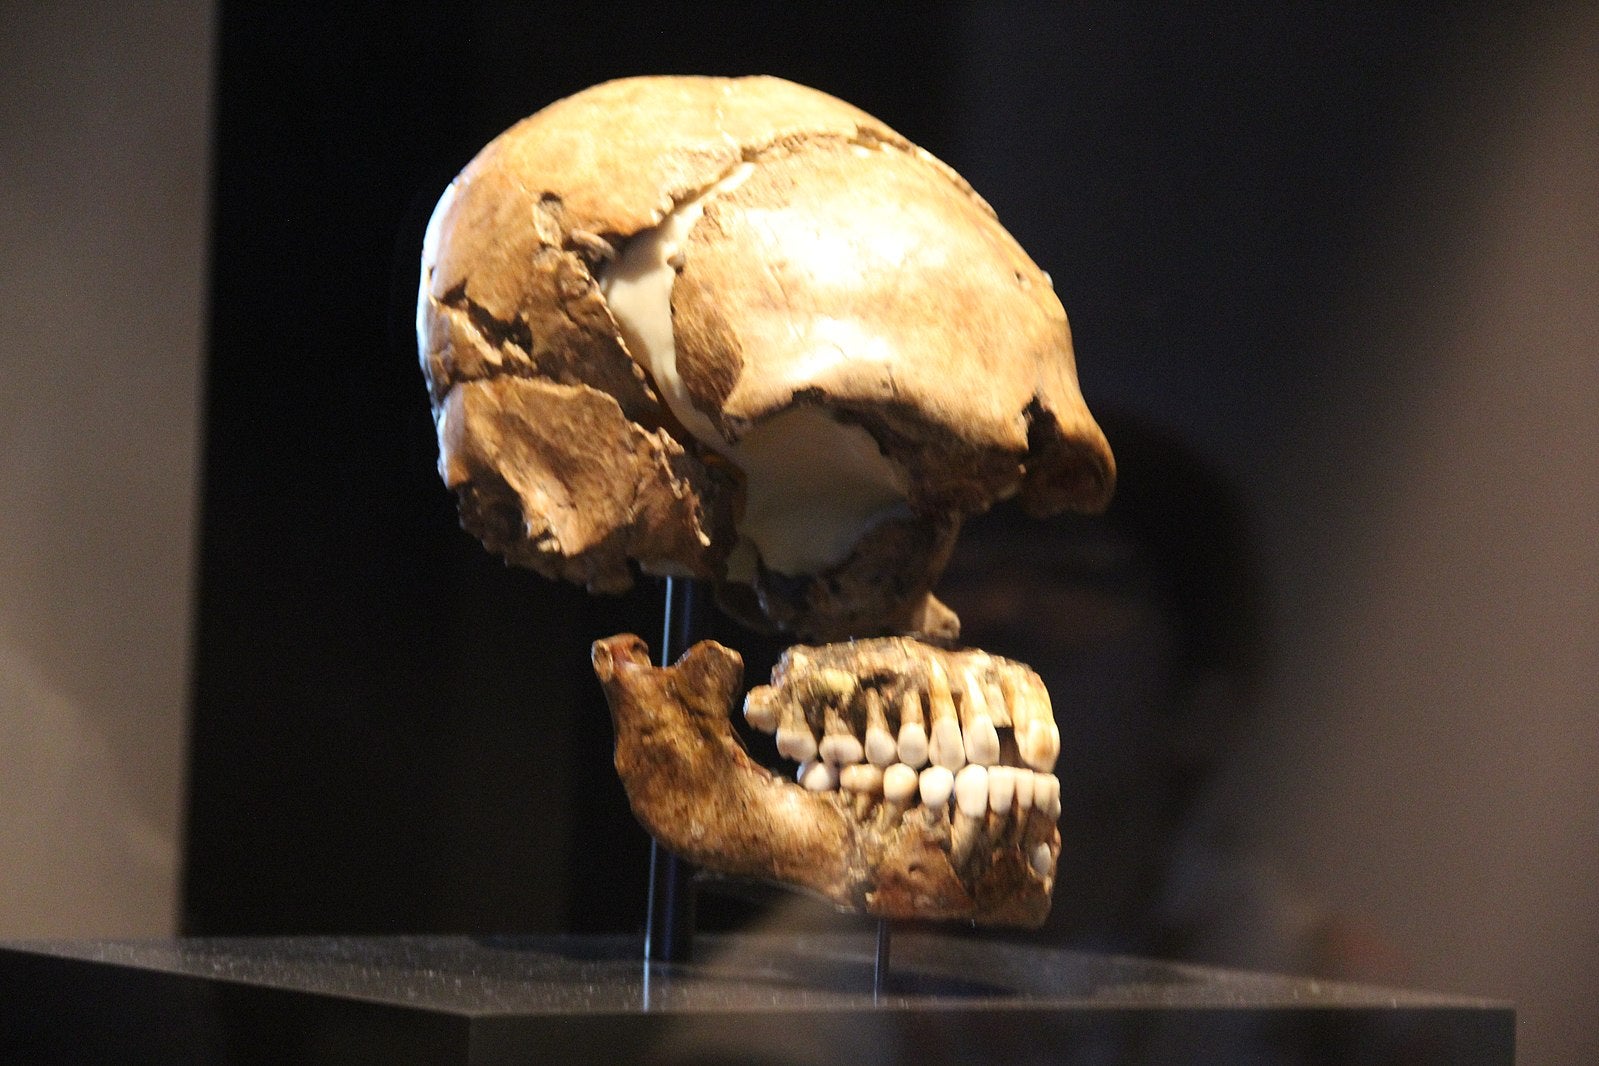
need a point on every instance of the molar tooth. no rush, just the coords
(880, 748)
(980, 738)
(881, 751)
(945, 746)
(1001, 788)
(794, 737)
(818, 776)
(861, 777)
(899, 784)
(841, 749)
(760, 708)
(937, 782)
(910, 708)
(839, 746)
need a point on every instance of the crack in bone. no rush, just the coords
(547, 208)
(802, 461)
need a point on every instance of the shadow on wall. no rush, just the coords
(1433, 757)
(1148, 624)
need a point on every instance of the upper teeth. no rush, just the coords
(970, 737)
(842, 761)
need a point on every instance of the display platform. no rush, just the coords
(745, 999)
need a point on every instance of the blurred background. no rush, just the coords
(1344, 261)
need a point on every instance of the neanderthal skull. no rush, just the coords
(741, 331)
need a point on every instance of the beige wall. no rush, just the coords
(103, 138)
(1434, 766)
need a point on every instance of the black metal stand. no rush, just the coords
(880, 962)
(669, 925)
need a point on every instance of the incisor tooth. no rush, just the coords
(937, 782)
(1046, 795)
(974, 700)
(1017, 706)
(971, 806)
(1039, 741)
(971, 790)
(760, 708)
(899, 784)
(1042, 708)
(945, 747)
(1033, 719)
(964, 832)
(1024, 779)
(1040, 745)
(818, 776)
(1001, 788)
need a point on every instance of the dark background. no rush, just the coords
(394, 732)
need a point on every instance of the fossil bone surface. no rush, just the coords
(908, 839)
(738, 330)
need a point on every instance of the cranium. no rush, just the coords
(742, 331)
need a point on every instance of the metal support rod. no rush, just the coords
(669, 924)
(880, 964)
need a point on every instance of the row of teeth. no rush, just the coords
(942, 735)
(976, 789)
(948, 751)
(984, 797)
